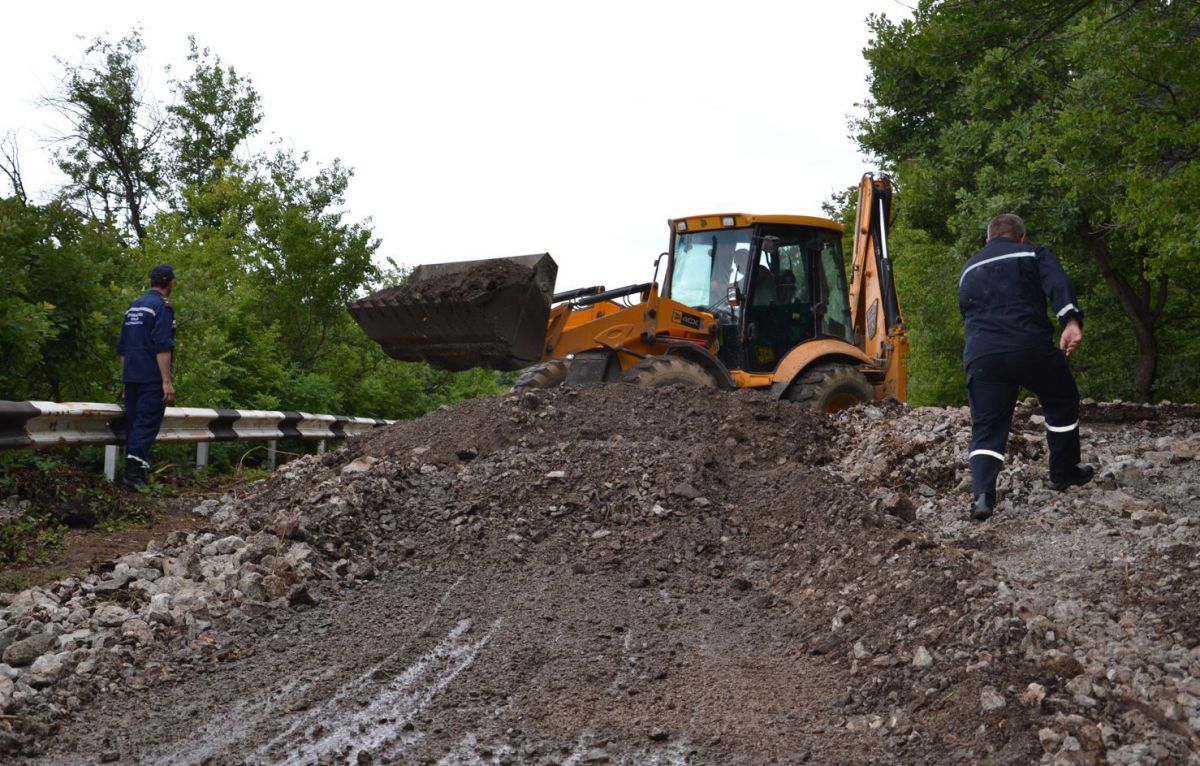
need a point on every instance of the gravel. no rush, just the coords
(612, 575)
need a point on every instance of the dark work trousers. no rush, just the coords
(992, 385)
(144, 410)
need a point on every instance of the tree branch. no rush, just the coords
(10, 165)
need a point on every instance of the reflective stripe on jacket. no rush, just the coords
(1002, 294)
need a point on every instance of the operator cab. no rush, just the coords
(772, 282)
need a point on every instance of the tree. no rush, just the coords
(308, 261)
(110, 155)
(1081, 117)
(59, 309)
(215, 112)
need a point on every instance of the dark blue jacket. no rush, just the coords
(149, 329)
(1002, 294)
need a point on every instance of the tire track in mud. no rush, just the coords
(375, 728)
(347, 727)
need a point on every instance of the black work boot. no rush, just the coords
(982, 507)
(134, 478)
(1077, 476)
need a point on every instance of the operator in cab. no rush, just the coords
(1002, 294)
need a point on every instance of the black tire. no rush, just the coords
(658, 371)
(830, 387)
(551, 374)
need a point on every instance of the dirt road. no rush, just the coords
(607, 575)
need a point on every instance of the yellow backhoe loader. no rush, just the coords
(747, 301)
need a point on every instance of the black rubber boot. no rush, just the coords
(982, 507)
(1080, 475)
(134, 478)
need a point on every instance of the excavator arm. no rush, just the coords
(874, 307)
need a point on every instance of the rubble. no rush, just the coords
(662, 576)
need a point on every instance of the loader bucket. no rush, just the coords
(454, 316)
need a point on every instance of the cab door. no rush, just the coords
(779, 309)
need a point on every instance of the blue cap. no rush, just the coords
(162, 275)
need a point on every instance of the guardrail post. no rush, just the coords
(321, 447)
(271, 454)
(111, 451)
(201, 455)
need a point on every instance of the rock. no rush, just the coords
(227, 545)
(659, 734)
(24, 652)
(990, 699)
(1060, 664)
(1067, 610)
(1080, 684)
(359, 465)
(1049, 739)
(895, 504)
(1033, 695)
(252, 585)
(1149, 518)
(48, 665)
(138, 629)
(113, 585)
(110, 615)
(922, 658)
(685, 490)
(159, 609)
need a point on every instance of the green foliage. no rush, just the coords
(216, 111)
(265, 252)
(936, 376)
(1082, 118)
(61, 303)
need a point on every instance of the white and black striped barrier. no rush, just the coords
(33, 425)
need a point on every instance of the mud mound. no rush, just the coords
(618, 575)
(486, 278)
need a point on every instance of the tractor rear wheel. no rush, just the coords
(830, 387)
(551, 374)
(658, 371)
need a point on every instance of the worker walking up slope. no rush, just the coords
(1002, 294)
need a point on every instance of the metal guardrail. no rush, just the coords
(34, 425)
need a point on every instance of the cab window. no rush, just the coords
(706, 265)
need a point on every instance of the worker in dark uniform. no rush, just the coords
(1002, 294)
(146, 349)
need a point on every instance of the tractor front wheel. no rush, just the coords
(658, 371)
(551, 374)
(830, 387)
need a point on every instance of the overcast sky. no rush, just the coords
(481, 129)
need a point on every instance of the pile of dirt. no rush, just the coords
(488, 278)
(1107, 574)
(616, 575)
